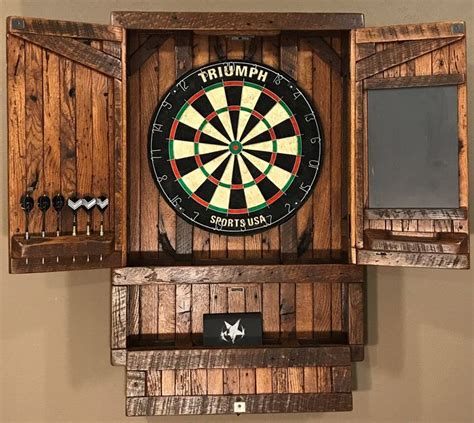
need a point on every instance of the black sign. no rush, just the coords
(233, 329)
(235, 147)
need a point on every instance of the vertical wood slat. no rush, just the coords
(271, 311)
(356, 314)
(168, 382)
(101, 103)
(52, 146)
(215, 382)
(287, 311)
(322, 191)
(199, 307)
(68, 135)
(149, 310)
(133, 310)
(149, 85)
(304, 216)
(84, 137)
(271, 237)
(183, 313)
(201, 242)
(322, 312)
(119, 317)
(304, 310)
(134, 150)
(16, 132)
(167, 312)
(289, 64)
(34, 128)
(153, 383)
(184, 61)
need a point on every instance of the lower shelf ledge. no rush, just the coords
(238, 358)
(225, 404)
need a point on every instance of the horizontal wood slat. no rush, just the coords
(414, 81)
(428, 242)
(397, 55)
(239, 274)
(20, 24)
(230, 21)
(409, 32)
(450, 261)
(394, 214)
(238, 358)
(224, 404)
(78, 52)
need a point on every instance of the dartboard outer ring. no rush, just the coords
(290, 173)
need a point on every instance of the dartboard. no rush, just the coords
(235, 147)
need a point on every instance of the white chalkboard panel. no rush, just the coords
(413, 147)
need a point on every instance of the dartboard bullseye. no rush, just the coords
(235, 147)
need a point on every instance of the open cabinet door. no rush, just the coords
(409, 170)
(66, 117)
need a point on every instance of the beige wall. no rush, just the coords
(54, 360)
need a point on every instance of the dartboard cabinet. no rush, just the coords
(236, 166)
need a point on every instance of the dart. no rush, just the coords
(58, 204)
(74, 204)
(88, 203)
(44, 203)
(102, 204)
(27, 203)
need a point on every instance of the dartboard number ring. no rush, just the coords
(235, 147)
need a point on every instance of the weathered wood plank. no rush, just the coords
(271, 311)
(454, 214)
(397, 55)
(247, 381)
(78, 52)
(149, 310)
(136, 384)
(295, 380)
(199, 307)
(304, 310)
(414, 81)
(280, 380)
(326, 53)
(322, 310)
(231, 381)
(215, 382)
(166, 312)
(356, 314)
(20, 24)
(409, 32)
(118, 335)
(141, 54)
(232, 21)
(239, 358)
(153, 383)
(303, 273)
(341, 379)
(449, 261)
(16, 133)
(224, 404)
(263, 381)
(288, 308)
(183, 313)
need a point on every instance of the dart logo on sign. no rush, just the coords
(235, 147)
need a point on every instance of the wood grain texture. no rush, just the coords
(453, 214)
(449, 261)
(326, 52)
(356, 314)
(118, 334)
(78, 52)
(242, 22)
(303, 273)
(414, 81)
(63, 28)
(224, 404)
(239, 358)
(146, 49)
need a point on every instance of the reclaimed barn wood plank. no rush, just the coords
(453, 214)
(168, 382)
(20, 24)
(16, 133)
(409, 32)
(239, 358)
(149, 310)
(215, 381)
(397, 55)
(304, 310)
(279, 380)
(237, 274)
(295, 380)
(231, 381)
(237, 21)
(263, 381)
(153, 383)
(218, 298)
(52, 146)
(167, 312)
(326, 52)
(356, 314)
(414, 81)
(236, 299)
(322, 311)
(133, 310)
(78, 52)
(247, 381)
(271, 311)
(146, 49)
(118, 334)
(183, 313)
(287, 311)
(183, 382)
(198, 382)
(392, 258)
(136, 384)
(341, 379)
(199, 307)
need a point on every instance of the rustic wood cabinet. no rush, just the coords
(80, 101)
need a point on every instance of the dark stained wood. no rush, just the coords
(79, 52)
(391, 258)
(51, 264)
(184, 61)
(20, 24)
(410, 32)
(303, 273)
(143, 53)
(53, 246)
(341, 379)
(245, 23)
(454, 214)
(420, 242)
(224, 404)
(326, 53)
(289, 65)
(238, 358)
(414, 81)
(398, 54)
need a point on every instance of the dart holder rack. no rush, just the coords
(80, 100)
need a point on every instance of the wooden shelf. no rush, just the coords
(62, 246)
